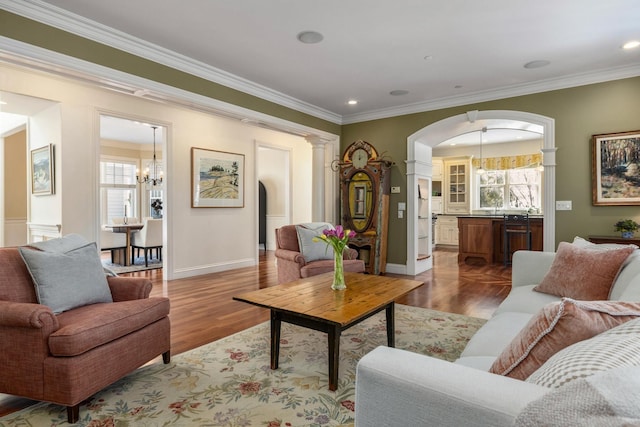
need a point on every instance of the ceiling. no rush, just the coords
(441, 53)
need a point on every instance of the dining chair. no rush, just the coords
(149, 237)
(114, 242)
(515, 225)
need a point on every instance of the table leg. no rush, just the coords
(127, 258)
(391, 327)
(334, 356)
(276, 323)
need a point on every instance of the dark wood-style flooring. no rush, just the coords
(202, 308)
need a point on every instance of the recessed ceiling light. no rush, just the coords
(352, 102)
(631, 44)
(539, 63)
(3, 103)
(398, 92)
(310, 37)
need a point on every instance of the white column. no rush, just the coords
(317, 178)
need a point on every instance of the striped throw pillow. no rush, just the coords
(614, 348)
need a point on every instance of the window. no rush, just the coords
(118, 190)
(523, 187)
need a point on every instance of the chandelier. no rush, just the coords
(157, 178)
(481, 170)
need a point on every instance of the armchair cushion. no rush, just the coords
(92, 326)
(67, 280)
(310, 250)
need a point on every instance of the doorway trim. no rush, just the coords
(419, 163)
(167, 231)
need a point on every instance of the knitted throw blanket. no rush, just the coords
(610, 398)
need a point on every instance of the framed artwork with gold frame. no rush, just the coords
(616, 169)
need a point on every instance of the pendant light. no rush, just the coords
(481, 170)
(157, 178)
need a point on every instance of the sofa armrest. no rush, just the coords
(529, 267)
(28, 315)
(292, 256)
(129, 288)
(400, 388)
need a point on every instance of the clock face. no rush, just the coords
(360, 158)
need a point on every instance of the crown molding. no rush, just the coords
(59, 18)
(51, 15)
(53, 63)
(564, 82)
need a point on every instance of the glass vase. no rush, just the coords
(338, 272)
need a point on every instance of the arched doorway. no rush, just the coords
(419, 167)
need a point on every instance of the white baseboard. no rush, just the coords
(181, 273)
(396, 268)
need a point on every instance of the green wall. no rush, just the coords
(579, 113)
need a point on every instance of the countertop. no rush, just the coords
(500, 216)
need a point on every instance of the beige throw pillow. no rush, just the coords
(556, 326)
(583, 274)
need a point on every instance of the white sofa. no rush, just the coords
(399, 388)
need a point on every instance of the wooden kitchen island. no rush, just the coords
(482, 236)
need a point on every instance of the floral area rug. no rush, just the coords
(229, 382)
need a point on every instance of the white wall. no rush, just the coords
(45, 211)
(199, 240)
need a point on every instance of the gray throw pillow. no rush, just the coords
(67, 280)
(310, 250)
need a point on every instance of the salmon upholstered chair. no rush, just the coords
(294, 263)
(67, 330)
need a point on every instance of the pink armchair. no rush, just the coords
(291, 264)
(65, 358)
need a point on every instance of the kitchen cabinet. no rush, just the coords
(456, 192)
(437, 167)
(447, 230)
(483, 237)
(475, 239)
(436, 205)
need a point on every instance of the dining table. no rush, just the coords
(128, 229)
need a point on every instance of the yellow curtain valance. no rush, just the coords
(509, 162)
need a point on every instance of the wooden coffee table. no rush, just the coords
(312, 303)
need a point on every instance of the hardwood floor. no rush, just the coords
(202, 308)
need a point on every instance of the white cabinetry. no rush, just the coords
(457, 193)
(436, 205)
(447, 230)
(436, 174)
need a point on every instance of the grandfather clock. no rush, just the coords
(364, 187)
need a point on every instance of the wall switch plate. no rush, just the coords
(402, 206)
(395, 190)
(563, 205)
(400, 214)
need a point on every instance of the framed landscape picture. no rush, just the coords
(42, 170)
(616, 169)
(217, 179)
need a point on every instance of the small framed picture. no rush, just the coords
(42, 171)
(217, 179)
(616, 169)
